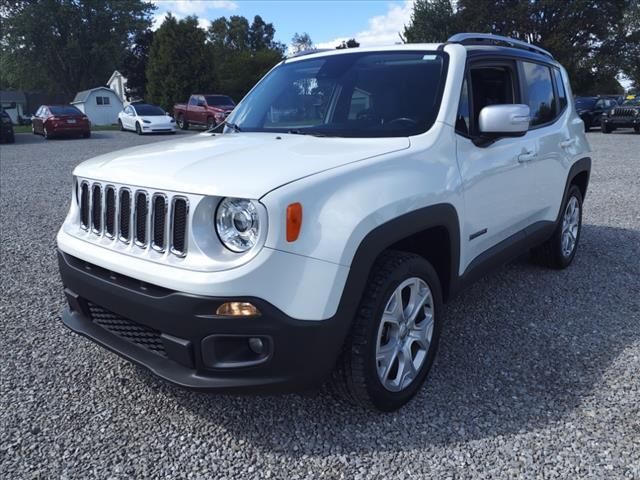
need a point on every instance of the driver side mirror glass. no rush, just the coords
(510, 120)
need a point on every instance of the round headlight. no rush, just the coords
(237, 224)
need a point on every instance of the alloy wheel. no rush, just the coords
(404, 335)
(570, 226)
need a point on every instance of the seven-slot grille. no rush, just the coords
(624, 112)
(157, 220)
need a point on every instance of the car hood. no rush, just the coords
(156, 118)
(247, 165)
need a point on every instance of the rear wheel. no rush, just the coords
(86, 134)
(606, 128)
(559, 250)
(636, 129)
(120, 125)
(395, 334)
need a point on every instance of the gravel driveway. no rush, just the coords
(538, 373)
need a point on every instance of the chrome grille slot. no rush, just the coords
(179, 226)
(124, 218)
(96, 208)
(110, 212)
(159, 222)
(84, 205)
(141, 216)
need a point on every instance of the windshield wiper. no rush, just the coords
(302, 132)
(232, 126)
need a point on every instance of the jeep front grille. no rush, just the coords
(122, 214)
(624, 112)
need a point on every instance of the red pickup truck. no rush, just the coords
(203, 109)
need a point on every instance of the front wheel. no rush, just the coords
(606, 128)
(636, 129)
(559, 250)
(395, 334)
(120, 125)
(182, 123)
(138, 129)
(211, 123)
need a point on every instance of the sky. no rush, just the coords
(328, 22)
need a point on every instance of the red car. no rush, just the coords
(203, 109)
(58, 120)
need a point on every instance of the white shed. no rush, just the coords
(100, 104)
(13, 102)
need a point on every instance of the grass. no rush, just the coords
(27, 128)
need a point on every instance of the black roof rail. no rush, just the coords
(489, 38)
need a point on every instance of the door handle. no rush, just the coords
(567, 143)
(527, 156)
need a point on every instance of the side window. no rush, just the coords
(600, 104)
(106, 100)
(490, 85)
(360, 103)
(193, 100)
(128, 111)
(98, 100)
(542, 102)
(562, 93)
(463, 117)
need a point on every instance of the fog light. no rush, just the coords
(256, 345)
(238, 309)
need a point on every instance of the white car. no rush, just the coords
(351, 194)
(144, 118)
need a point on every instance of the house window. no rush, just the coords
(102, 100)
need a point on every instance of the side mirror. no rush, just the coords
(510, 120)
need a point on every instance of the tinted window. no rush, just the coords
(64, 110)
(363, 94)
(219, 101)
(562, 93)
(193, 100)
(585, 103)
(149, 110)
(540, 93)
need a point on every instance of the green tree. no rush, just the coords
(242, 52)
(301, 42)
(134, 64)
(431, 21)
(67, 45)
(179, 62)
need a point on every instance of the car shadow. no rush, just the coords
(520, 349)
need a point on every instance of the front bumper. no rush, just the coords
(622, 122)
(180, 338)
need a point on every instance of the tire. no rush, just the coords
(553, 253)
(636, 129)
(138, 128)
(182, 123)
(120, 125)
(45, 133)
(11, 138)
(606, 128)
(360, 375)
(587, 124)
(86, 134)
(211, 123)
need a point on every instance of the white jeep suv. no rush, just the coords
(351, 193)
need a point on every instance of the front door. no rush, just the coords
(494, 181)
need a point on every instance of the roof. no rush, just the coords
(115, 74)
(10, 96)
(82, 96)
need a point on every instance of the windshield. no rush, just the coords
(375, 94)
(64, 110)
(219, 101)
(149, 110)
(585, 102)
(632, 103)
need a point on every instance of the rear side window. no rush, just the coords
(562, 93)
(539, 87)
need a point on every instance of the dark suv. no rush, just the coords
(626, 115)
(590, 110)
(6, 128)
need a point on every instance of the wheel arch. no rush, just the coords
(432, 232)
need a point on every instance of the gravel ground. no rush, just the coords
(537, 374)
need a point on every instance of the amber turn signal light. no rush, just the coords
(238, 309)
(294, 221)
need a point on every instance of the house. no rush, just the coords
(13, 102)
(118, 83)
(100, 104)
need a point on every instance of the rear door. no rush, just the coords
(493, 174)
(543, 90)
